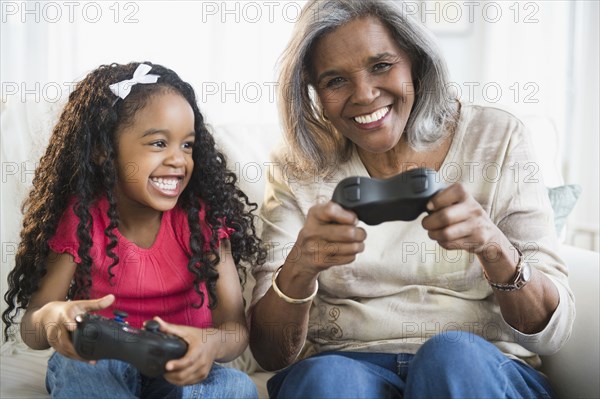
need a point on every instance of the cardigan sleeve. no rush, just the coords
(523, 212)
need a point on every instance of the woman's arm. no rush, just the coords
(328, 238)
(278, 329)
(457, 221)
(514, 212)
(49, 317)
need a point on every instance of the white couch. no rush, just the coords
(573, 371)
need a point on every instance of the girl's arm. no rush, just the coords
(229, 317)
(49, 317)
(225, 341)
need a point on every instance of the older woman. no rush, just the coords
(458, 303)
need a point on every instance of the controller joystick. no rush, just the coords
(402, 197)
(152, 326)
(120, 316)
(148, 349)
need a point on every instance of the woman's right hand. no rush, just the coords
(330, 237)
(58, 321)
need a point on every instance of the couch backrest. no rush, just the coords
(546, 146)
(248, 148)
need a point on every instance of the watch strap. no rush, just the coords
(518, 280)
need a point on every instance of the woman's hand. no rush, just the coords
(58, 321)
(329, 238)
(457, 221)
(195, 365)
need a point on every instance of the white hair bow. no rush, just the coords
(123, 88)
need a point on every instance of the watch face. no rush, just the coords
(526, 272)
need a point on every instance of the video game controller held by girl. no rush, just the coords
(149, 350)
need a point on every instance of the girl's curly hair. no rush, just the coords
(80, 162)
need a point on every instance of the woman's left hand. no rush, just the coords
(196, 364)
(457, 221)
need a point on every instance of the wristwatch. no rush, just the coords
(522, 277)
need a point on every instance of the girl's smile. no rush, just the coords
(169, 186)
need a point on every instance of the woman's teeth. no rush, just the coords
(165, 184)
(375, 116)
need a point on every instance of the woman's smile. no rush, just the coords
(374, 119)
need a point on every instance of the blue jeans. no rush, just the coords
(455, 364)
(68, 378)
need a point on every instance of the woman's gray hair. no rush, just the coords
(315, 145)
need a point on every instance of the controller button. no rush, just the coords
(120, 316)
(419, 184)
(352, 193)
(152, 326)
(91, 332)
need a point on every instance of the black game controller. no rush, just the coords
(402, 197)
(98, 337)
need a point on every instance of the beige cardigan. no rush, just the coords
(404, 288)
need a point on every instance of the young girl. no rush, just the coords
(133, 208)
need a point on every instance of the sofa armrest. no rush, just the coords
(573, 371)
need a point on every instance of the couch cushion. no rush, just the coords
(23, 371)
(573, 371)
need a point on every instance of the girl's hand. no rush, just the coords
(196, 364)
(328, 238)
(58, 321)
(457, 221)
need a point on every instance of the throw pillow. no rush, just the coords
(563, 200)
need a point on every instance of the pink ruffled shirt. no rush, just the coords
(147, 282)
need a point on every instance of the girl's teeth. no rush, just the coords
(375, 116)
(165, 184)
